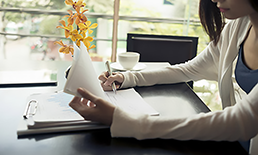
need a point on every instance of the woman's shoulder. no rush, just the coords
(238, 24)
(235, 29)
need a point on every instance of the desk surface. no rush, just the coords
(177, 100)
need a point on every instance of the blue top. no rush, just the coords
(245, 77)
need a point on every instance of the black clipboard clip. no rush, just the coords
(30, 109)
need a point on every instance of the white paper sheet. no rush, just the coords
(53, 107)
(130, 100)
(83, 74)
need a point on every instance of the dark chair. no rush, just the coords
(163, 48)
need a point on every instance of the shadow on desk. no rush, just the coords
(100, 142)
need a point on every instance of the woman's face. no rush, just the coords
(233, 9)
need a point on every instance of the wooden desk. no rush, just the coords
(177, 100)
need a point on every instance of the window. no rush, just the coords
(28, 29)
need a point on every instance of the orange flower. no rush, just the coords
(74, 35)
(75, 5)
(86, 41)
(71, 17)
(67, 28)
(65, 48)
(84, 27)
(69, 2)
(70, 32)
(80, 17)
(78, 42)
(79, 4)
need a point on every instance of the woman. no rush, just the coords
(232, 52)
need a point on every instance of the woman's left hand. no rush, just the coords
(92, 107)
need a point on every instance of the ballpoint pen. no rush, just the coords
(110, 73)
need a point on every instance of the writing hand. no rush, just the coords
(107, 80)
(93, 108)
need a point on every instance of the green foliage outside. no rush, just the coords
(33, 4)
(48, 25)
(49, 22)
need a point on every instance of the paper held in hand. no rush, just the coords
(83, 74)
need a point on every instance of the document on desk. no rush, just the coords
(130, 101)
(53, 109)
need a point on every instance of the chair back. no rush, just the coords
(163, 48)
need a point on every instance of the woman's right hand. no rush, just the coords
(107, 80)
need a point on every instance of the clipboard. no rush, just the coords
(31, 106)
(30, 126)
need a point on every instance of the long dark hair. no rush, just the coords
(254, 3)
(212, 20)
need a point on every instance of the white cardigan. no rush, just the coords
(238, 120)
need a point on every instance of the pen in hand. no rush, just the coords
(113, 85)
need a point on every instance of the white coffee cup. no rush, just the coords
(128, 59)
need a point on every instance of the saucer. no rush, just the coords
(117, 66)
